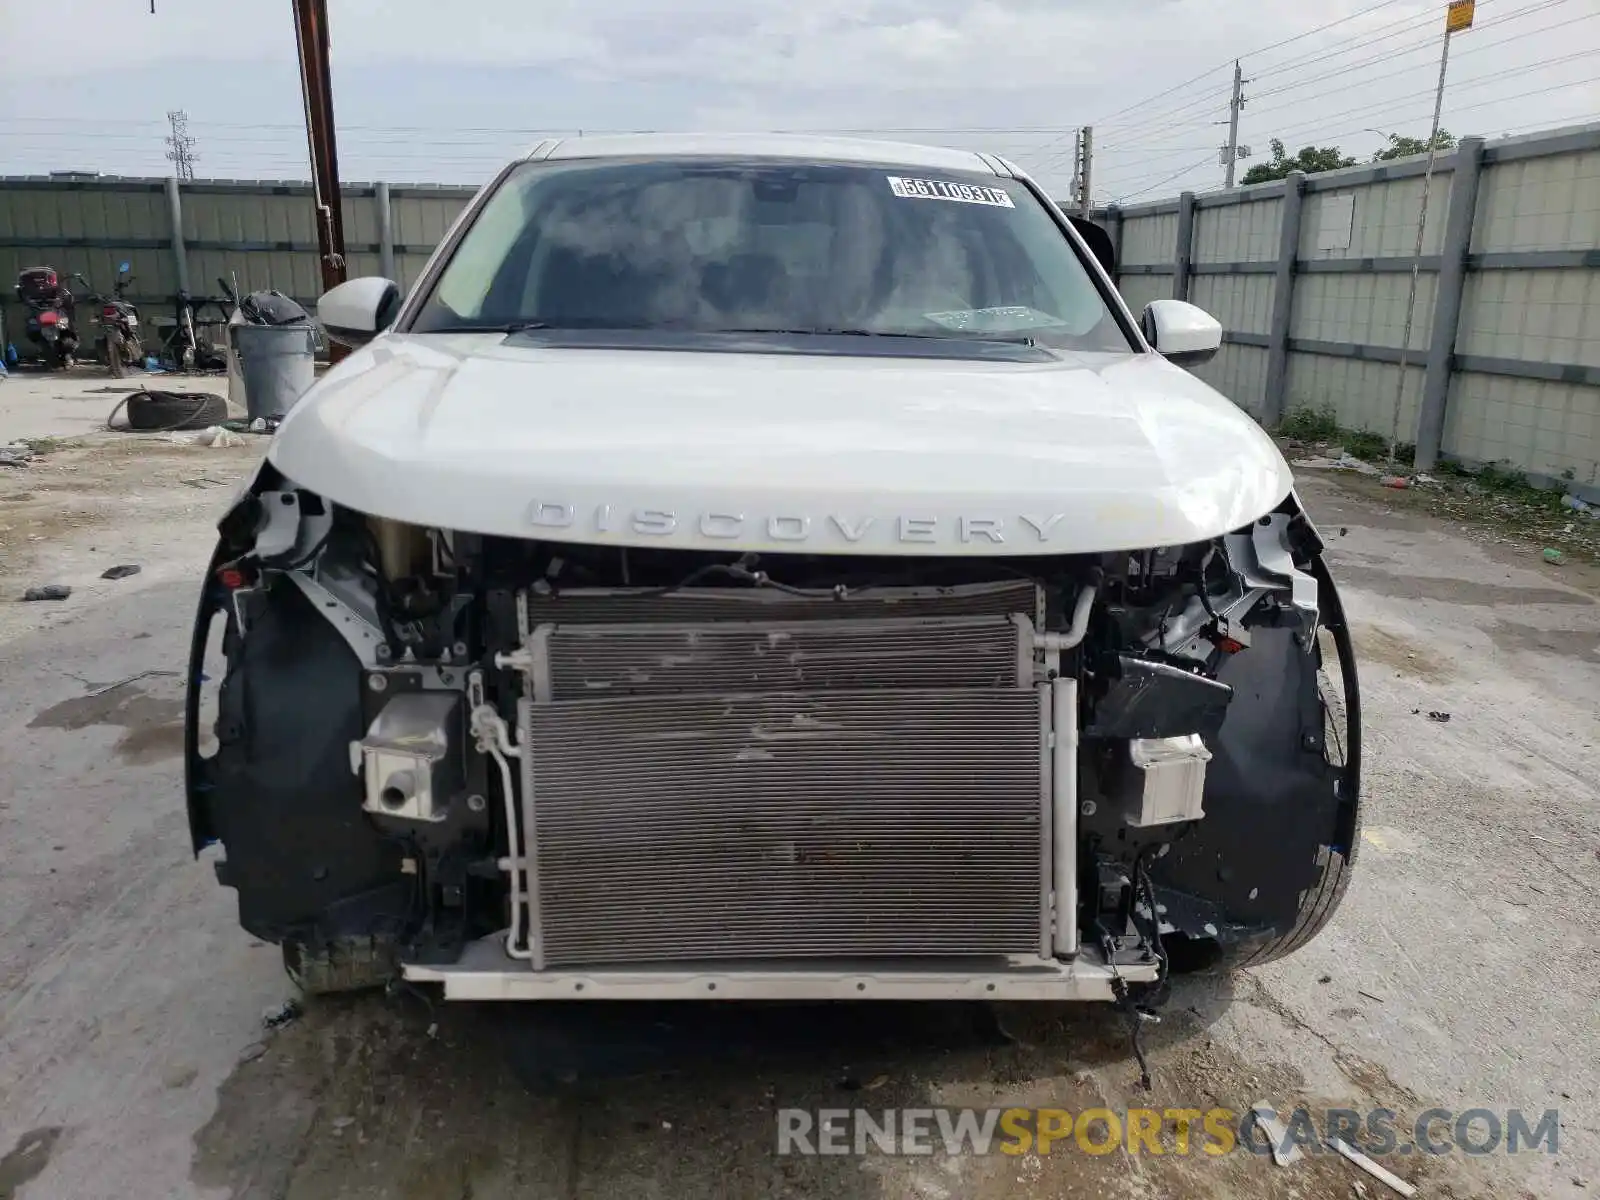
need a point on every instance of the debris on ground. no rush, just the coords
(17, 454)
(217, 438)
(48, 591)
(1369, 996)
(1553, 556)
(283, 1014)
(111, 687)
(121, 571)
(1579, 505)
(1336, 459)
(252, 1052)
(1395, 481)
(1435, 714)
(1381, 1174)
(1284, 1151)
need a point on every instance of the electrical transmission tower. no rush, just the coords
(181, 145)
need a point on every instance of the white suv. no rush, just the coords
(758, 567)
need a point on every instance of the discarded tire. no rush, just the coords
(164, 412)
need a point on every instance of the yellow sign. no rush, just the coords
(1459, 15)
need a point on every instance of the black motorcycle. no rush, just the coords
(49, 307)
(119, 323)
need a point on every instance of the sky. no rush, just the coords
(431, 91)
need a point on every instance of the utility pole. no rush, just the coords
(180, 145)
(1458, 19)
(1230, 152)
(1085, 170)
(311, 38)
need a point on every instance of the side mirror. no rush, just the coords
(122, 268)
(1180, 332)
(358, 310)
(1099, 243)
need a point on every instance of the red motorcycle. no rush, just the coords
(50, 315)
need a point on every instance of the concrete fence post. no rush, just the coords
(180, 253)
(1183, 252)
(1294, 196)
(385, 231)
(1450, 284)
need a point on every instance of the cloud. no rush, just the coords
(431, 90)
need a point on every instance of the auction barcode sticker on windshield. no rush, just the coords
(938, 189)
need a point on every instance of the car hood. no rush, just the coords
(780, 452)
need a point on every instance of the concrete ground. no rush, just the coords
(134, 1062)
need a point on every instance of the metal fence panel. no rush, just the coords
(1238, 232)
(1517, 374)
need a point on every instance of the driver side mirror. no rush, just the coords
(358, 310)
(1181, 333)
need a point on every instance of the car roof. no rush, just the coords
(808, 147)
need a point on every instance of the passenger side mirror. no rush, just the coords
(358, 310)
(1180, 332)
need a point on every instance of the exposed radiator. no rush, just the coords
(798, 787)
(595, 606)
(784, 825)
(600, 662)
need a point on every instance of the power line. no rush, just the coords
(1410, 24)
(1431, 45)
(1426, 21)
(1260, 50)
(1167, 179)
(1464, 86)
(1544, 91)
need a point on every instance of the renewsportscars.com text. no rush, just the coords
(1211, 1132)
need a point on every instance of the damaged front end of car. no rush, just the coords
(528, 769)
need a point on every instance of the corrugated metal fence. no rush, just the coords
(260, 231)
(1309, 278)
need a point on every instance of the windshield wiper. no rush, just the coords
(827, 331)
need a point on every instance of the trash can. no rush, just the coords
(276, 364)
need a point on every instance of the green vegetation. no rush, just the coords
(1315, 159)
(1320, 425)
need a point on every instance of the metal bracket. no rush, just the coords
(362, 636)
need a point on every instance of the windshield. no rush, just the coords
(769, 246)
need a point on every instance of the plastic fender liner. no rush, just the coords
(280, 794)
(1271, 857)
(197, 778)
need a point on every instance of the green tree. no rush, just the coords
(1311, 160)
(1405, 147)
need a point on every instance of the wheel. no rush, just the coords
(347, 965)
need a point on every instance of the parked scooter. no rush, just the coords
(50, 315)
(119, 323)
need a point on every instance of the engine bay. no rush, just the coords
(747, 758)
